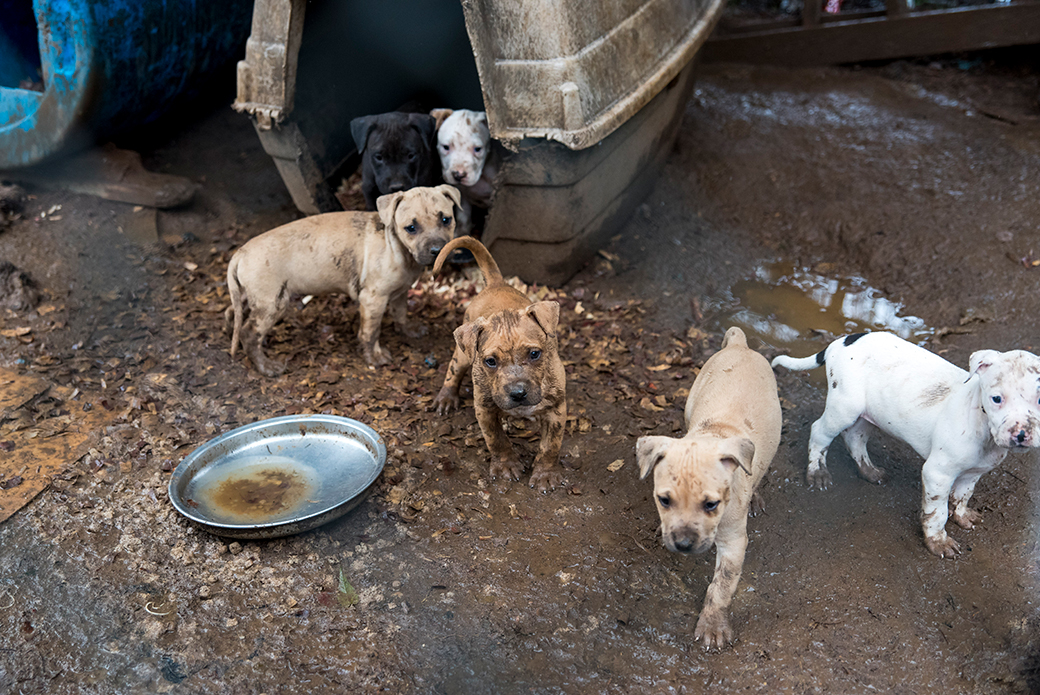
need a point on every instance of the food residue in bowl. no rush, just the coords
(259, 490)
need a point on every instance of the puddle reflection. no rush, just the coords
(799, 310)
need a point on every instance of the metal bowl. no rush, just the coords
(278, 477)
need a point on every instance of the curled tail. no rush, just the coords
(487, 265)
(801, 363)
(734, 336)
(235, 291)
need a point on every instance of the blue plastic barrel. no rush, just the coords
(97, 67)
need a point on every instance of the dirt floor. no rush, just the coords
(907, 189)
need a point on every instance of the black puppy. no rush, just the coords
(397, 153)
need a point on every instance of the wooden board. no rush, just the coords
(880, 38)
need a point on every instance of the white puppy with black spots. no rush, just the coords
(963, 423)
(468, 159)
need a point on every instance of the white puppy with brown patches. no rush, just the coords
(962, 423)
(468, 159)
(704, 483)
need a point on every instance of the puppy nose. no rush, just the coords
(518, 393)
(1021, 436)
(683, 545)
(395, 187)
(458, 175)
(436, 249)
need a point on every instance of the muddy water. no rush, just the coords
(447, 582)
(795, 309)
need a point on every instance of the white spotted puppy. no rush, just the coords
(963, 423)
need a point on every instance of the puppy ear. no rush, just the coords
(737, 451)
(982, 360)
(546, 315)
(650, 451)
(439, 116)
(425, 124)
(450, 192)
(467, 335)
(386, 205)
(360, 127)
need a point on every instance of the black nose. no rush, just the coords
(684, 546)
(1021, 436)
(435, 250)
(395, 187)
(518, 393)
(458, 175)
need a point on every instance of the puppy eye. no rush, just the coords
(478, 149)
(664, 500)
(535, 354)
(411, 229)
(412, 157)
(378, 157)
(444, 148)
(491, 362)
(445, 220)
(996, 399)
(711, 506)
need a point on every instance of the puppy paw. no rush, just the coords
(943, 546)
(446, 401)
(546, 479)
(268, 368)
(873, 474)
(377, 357)
(713, 630)
(819, 478)
(758, 505)
(506, 469)
(968, 519)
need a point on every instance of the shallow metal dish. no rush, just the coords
(278, 477)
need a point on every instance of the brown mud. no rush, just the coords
(913, 185)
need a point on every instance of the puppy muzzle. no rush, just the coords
(427, 253)
(1020, 436)
(687, 542)
(517, 394)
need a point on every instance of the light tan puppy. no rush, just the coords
(509, 345)
(704, 483)
(374, 257)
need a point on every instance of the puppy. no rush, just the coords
(397, 153)
(962, 423)
(704, 483)
(468, 158)
(510, 346)
(373, 257)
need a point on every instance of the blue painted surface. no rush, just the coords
(111, 64)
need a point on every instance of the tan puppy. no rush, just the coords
(372, 256)
(510, 346)
(704, 483)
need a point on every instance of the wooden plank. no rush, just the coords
(917, 33)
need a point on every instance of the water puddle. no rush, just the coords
(800, 311)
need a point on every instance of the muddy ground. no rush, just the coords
(920, 178)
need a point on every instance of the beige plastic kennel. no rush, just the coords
(586, 97)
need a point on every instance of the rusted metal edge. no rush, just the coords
(882, 38)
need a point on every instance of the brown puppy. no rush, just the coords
(510, 344)
(372, 256)
(704, 483)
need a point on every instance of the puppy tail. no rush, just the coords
(799, 364)
(487, 265)
(235, 291)
(734, 336)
